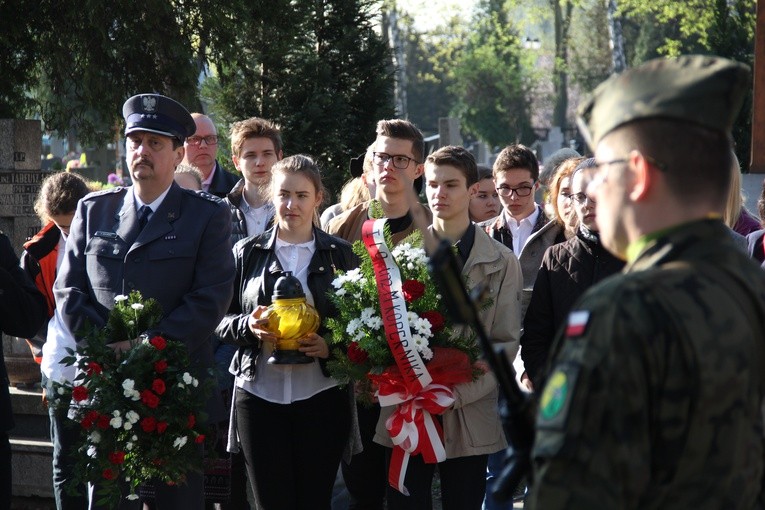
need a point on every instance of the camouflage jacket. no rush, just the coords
(653, 399)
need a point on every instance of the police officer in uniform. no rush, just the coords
(655, 390)
(169, 243)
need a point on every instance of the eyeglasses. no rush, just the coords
(197, 140)
(581, 198)
(399, 161)
(521, 191)
(595, 175)
(566, 196)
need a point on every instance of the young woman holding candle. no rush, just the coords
(292, 420)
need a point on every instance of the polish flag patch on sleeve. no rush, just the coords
(577, 323)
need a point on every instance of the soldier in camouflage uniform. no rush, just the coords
(654, 394)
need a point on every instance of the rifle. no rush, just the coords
(516, 409)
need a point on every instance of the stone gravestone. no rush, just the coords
(20, 178)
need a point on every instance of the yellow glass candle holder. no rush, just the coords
(290, 318)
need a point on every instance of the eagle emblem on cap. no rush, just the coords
(149, 103)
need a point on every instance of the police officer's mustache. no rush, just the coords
(143, 161)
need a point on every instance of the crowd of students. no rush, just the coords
(291, 427)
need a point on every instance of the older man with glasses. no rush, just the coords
(201, 151)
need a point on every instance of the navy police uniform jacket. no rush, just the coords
(182, 258)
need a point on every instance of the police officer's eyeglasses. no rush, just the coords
(399, 161)
(197, 140)
(521, 191)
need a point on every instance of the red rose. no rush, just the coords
(89, 420)
(103, 422)
(79, 393)
(117, 457)
(158, 386)
(161, 427)
(435, 319)
(109, 474)
(93, 368)
(148, 424)
(200, 439)
(160, 366)
(412, 290)
(356, 354)
(149, 399)
(191, 421)
(158, 342)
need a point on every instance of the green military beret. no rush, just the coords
(702, 90)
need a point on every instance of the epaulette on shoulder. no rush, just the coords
(208, 196)
(107, 191)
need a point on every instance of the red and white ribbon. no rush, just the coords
(413, 429)
(393, 307)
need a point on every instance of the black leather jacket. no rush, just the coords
(238, 221)
(257, 269)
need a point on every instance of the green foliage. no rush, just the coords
(490, 83)
(318, 69)
(720, 27)
(429, 62)
(131, 316)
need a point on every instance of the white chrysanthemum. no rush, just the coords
(128, 384)
(427, 353)
(116, 422)
(128, 446)
(136, 306)
(127, 425)
(120, 298)
(353, 326)
(94, 437)
(412, 316)
(194, 382)
(375, 323)
(187, 378)
(341, 292)
(180, 442)
(132, 497)
(92, 452)
(132, 416)
(423, 327)
(354, 275)
(338, 282)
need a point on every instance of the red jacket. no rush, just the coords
(39, 261)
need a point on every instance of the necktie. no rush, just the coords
(143, 215)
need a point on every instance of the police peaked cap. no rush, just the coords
(157, 114)
(703, 90)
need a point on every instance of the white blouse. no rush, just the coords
(284, 384)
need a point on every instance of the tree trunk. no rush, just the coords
(616, 38)
(560, 66)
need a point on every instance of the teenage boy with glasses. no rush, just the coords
(523, 227)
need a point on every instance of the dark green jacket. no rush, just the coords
(653, 401)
